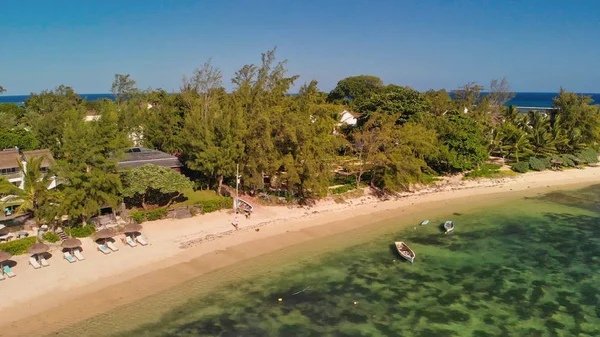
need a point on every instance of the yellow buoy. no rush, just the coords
(355, 303)
(279, 299)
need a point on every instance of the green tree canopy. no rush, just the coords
(403, 102)
(579, 117)
(13, 110)
(89, 165)
(49, 112)
(305, 142)
(260, 95)
(18, 137)
(162, 123)
(152, 182)
(355, 89)
(123, 87)
(394, 153)
(462, 143)
(213, 140)
(437, 102)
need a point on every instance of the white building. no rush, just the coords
(10, 169)
(348, 118)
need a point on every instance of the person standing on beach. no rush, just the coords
(235, 223)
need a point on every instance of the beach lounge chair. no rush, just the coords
(103, 249)
(141, 240)
(69, 257)
(112, 246)
(78, 255)
(43, 261)
(33, 262)
(130, 241)
(8, 272)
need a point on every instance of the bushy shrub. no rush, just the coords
(589, 156)
(155, 214)
(429, 179)
(487, 170)
(342, 189)
(339, 179)
(490, 166)
(18, 247)
(138, 216)
(539, 164)
(212, 205)
(51, 237)
(80, 231)
(520, 167)
(567, 160)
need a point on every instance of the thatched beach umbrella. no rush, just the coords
(71, 243)
(132, 228)
(3, 257)
(105, 234)
(38, 248)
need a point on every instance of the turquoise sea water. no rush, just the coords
(528, 267)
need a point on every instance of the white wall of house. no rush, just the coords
(20, 181)
(90, 118)
(348, 118)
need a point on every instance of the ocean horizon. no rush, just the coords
(521, 99)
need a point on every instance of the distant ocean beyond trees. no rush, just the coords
(524, 99)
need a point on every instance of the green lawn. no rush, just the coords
(195, 197)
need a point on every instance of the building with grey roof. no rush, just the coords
(138, 156)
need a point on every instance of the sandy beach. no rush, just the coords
(179, 250)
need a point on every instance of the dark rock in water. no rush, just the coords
(457, 214)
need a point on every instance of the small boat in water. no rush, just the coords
(449, 226)
(405, 251)
(424, 222)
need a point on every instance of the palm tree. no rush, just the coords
(540, 135)
(515, 142)
(36, 199)
(559, 136)
(510, 114)
(576, 140)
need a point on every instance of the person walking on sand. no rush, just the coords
(235, 223)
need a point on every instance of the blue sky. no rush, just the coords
(537, 45)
